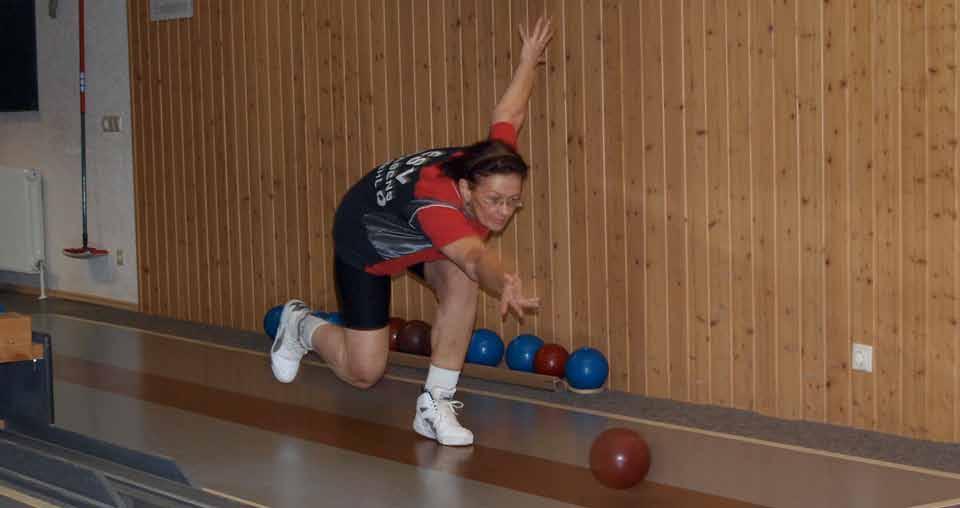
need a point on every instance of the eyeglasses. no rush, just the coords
(498, 202)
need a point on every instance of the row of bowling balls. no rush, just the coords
(585, 369)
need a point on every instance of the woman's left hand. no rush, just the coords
(534, 43)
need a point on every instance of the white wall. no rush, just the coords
(49, 140)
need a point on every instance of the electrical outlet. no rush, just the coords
(863, 357)
(119, 257)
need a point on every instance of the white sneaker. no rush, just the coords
(436, 418)
(288, 348)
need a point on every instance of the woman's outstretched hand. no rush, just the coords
(512, 299)
(534, 43)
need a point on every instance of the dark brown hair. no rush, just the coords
(488, 157)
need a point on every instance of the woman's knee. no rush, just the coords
(367, 375)
(453, 286)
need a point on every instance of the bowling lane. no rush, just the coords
(275, 469)
(532, 447)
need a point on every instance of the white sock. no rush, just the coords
(310, 325)
(444, 379)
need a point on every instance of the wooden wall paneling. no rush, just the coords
(811, 227)
(788, 368)
(339, 168)
(219, 278)
(160, 154)
(595, 262)
(248, 314)
(234, 311)
(762, 124)
(556, 68)
(576, 176)
(171, 285)
(941, 358)
(380, 152)
(743, 306)
(615, 212)
(633, 70)
(887, 352)
(253, 61)
(862, 232)
(656, 331)
(287, 213)
(657, 348)
(265, 132)
(299, 154)
(537, 194)
(914, 195)
(717, 241)
(836, 128)
(453, 36)
(523, 221)
(312, 157)
(177, 173)
(696, 216)
(676, 199)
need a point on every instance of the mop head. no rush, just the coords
(85, 252)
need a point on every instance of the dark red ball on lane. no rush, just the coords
(619, 458)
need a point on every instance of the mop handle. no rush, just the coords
(83, 124)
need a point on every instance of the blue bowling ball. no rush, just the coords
(522, 350)
(587, 369)
(486, 348)
(271, 321)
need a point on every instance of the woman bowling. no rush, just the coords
(429, 213)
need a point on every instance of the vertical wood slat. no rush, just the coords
(696, 213)
(635, 190)
(812, 209)
(788, 363)
(741, 200)
(942, 216)
(837, 204)
(762, 153)
(723, 197)
(719, 218)
(914, 237)
(887, 77)
(675, 194)
(657, 348)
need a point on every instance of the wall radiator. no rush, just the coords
(21, 223)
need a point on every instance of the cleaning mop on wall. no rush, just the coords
(85, 251)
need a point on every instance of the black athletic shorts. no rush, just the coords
(364, 297)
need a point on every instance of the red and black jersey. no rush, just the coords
(405, 210)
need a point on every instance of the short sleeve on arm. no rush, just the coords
(504, 131)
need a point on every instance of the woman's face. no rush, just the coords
(493, 200)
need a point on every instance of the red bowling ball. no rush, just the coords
(395, 325)
(414, 338)
(619, 458)
(551, 360)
